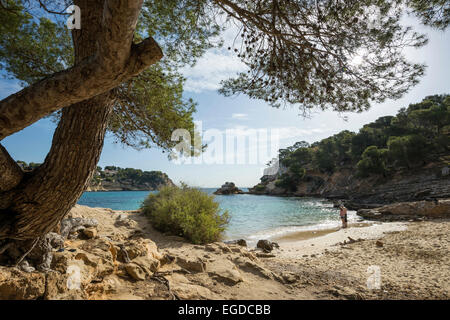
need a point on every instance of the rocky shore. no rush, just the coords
(108, 254)
(404, 211)
(427, 183)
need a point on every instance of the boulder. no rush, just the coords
(124, 221)
(240, 242)
(90, 232)
(188, 291)
(73, 225)
(138, 248)
(266, 245)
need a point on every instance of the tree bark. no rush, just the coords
(40, 201)
(11, 172)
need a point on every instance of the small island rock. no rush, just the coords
(228, 188)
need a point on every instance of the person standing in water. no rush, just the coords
(343, 214)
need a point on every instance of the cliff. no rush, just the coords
(432, 181)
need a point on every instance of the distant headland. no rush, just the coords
(113, 178)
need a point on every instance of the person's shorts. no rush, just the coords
(344, 218)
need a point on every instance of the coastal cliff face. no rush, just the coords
(118, 179)
(424, 183)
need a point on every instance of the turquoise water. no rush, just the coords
(252, 217)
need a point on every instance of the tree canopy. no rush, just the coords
(341, 55)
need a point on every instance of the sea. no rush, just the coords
(253, 217)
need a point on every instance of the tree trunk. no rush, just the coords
(41, 201)
(38, 203)
(11, 173)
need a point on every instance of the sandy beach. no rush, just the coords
(316, 242)
(412, 260)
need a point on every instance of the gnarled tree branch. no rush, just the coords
(115, 61)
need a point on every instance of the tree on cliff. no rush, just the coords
(112, 75)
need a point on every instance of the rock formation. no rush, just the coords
(404, 186)
(408, 210)
(228, 188)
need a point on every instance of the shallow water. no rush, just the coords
(252, 217)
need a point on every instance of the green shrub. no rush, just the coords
(186, 212)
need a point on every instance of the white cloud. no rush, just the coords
(210, 70)
(8, 87)
(239, 116)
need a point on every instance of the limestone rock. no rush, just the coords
(137, 248)
(148, 264)
(430, 181)
(408, 210)
(124, 221)
(225, 272)
(90, 232)
(266, 245)
(72, 225)
(188, 291)
(228, 188)
(135, 271)
(252, 267)
(19, 285)
(240, 242)
(194, 265)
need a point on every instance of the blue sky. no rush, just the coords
(241, 113)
